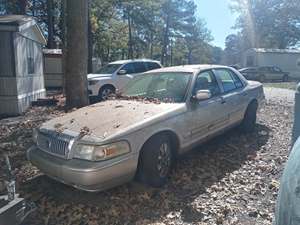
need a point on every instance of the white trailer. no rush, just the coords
(286, 59)
(21, 63)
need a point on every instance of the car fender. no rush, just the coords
(101, 82)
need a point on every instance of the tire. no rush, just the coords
(285, 78)
(262, 78)
(249, 121)
(105, 91)
(156, 161)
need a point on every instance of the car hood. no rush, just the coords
(93, 76)
(109, 118)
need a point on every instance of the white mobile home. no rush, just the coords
(286, 59)
(21, 63)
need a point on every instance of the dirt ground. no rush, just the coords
(233, 179)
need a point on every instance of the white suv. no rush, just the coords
(116, 75)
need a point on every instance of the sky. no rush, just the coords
(218, 17)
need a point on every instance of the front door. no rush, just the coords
(206, 117)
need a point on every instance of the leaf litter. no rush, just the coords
(233, 179)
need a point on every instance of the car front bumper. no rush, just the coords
(93, 90)
(85, 175)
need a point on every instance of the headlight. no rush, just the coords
(101, 152)
(35, 133)
(93, 82)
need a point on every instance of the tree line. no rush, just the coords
(165, 30)
(168, 30)
(263, 24)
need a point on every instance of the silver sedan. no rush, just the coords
(162, 114)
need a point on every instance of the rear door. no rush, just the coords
(233, 96)
(277, 73)
(139, 67)
(268, 73)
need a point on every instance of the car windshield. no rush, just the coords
(109, 69)
(166, 87)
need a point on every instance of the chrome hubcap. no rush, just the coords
(106, 93)
(164, 160)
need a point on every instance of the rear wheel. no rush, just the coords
(156, 161)
(262, 78)
(248, 123)
(105, 92)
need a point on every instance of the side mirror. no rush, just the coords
(122, 72)
(202, 95)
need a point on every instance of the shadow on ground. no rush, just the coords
(193, 174)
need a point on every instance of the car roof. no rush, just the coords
(133, 60)
(187, 68)
(249, 68)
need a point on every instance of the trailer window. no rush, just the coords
(30, 57)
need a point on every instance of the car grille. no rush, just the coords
(54, 143)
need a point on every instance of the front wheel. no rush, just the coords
(105, 92)
(249, 121)
(156, 161)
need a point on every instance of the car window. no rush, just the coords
(152, 65)
(207, 81)
(237, 81)
(276, 69)
(226, 79)
(139, 67)
(265, 69)
(108, 69)
(129, 67)
(166, 87)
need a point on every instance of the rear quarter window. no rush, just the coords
(152, 65)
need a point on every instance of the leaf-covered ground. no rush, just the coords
(233, 179)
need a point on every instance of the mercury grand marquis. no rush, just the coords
(160, 115)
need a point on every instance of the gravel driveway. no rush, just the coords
(280, 94)
(233, 179)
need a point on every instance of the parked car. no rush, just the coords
(116, 75)
(163, 113)
(265, 73)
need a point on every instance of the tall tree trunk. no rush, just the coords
(165, 42)
(33, 7)
(76, 53)
(189, 59)
(171, 53)
(151, 45)
(22, 7)
(123, 53)
(90, 40)
(130, 47)
(63, 41)
(50, 20)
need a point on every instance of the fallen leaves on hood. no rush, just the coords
(84, 131)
